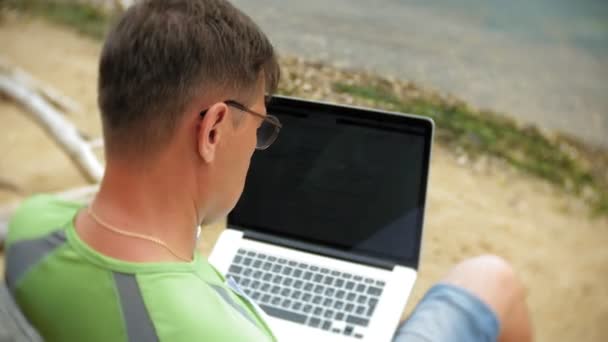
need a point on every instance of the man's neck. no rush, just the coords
(148, 203)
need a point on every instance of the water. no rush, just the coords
(540, 61)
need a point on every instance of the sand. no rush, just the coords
(473, 207)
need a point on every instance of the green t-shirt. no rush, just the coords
(70, 292)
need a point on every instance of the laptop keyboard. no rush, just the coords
(308, 294)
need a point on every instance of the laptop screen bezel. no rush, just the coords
(423, 125)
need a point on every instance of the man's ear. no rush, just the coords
(211, 131)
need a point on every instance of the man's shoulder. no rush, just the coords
(39, 215)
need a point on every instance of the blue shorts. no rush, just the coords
(449, 313)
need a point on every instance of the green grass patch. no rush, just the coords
(486, 132)
(85, 18)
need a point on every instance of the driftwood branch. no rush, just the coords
(60, 101)
(61, 130)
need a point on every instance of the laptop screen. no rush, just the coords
(343, 178)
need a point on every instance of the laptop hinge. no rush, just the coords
(321, 250)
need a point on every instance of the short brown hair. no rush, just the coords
(163, 53)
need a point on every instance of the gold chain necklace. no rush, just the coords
(153, 239)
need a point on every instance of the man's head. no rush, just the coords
(163, 63)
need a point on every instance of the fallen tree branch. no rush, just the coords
(61, 130)
(53, 96)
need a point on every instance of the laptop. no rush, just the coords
(326, 236)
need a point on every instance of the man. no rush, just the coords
(182, 88)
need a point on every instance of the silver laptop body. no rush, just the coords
(326, 237)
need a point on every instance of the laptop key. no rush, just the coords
(284, 314)
(326, 325)
(314, 268)
(296, 295)
(287, 281)
(349, 307)
(298, 284)
(369, 280)
(350, 285)
(328, 314)
(335, 273)
(265, 287)
(285, 292)
(328, 280)
(287, 270)
(317, 278)
(307, 308)
(327, 302)
(257, 263)
(329, 291)
(272, 259)
(266, 266)
(286, 303)
(360, 288)
(317, 299)
(292, 263)
(306, 297)
(247, 261)
(297, 273)
(251, 253)
(338, 305)
(358, 278)
(277, 279)
(307, 275)
(237, 259)
(339, 316)
(318, 311)
(340, 294)
(339, 282)
(361, 299)
(348, 330)
(296, 306)
(347, 275)
(241, 251)
(276, 300)
(265, 298)
(324, 270)
(379, 283)
(308, 287)
(374, 291)
(319, 289)
(282, 261)
(357, 320)
(351, 296)
(303, 266)
(257, 274)
(360, 310)
(267, 276)
(235, 269)
(314, 322)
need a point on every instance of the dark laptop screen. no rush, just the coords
(353, 182)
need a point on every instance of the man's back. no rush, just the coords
(70, 292)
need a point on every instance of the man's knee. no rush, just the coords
(492, 279)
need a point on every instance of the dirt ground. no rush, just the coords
(473, 208)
